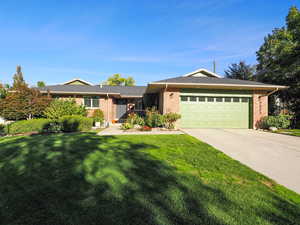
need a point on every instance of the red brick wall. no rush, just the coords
(107, 105)
(170, 100)
(260, 107)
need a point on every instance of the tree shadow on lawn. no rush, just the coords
(87, 179)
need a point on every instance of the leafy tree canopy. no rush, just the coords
(279, 60)
(23, 103)
(240, 71)
(118, 80)
(41, 84)
(3, 91)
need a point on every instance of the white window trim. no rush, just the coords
(91, 98)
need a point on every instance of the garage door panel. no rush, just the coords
(214, 114)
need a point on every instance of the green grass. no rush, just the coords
(84, 179)
(293, 132)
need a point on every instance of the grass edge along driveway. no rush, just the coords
(292, 132)
(135, 179)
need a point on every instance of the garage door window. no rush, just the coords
(219, 99)
(184, 98)
(236, 99)
(244, 99)
(201, 99)
(193, 98)
(227, 99)
(210, 99)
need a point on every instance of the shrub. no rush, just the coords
(281, 121)
(2, 129)
(154, 118)
(59, 108)
(170, 119)
(25, 126)
(53, 127)
(127, 126)
(98, 115)
(75, 123)
(135, 119)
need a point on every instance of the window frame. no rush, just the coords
(91, 100)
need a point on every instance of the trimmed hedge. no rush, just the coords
(76, 123)
(64, 124)
(26, 126)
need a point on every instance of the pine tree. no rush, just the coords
(18, 79)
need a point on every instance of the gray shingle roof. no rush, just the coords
(210, 80)
(96, 89)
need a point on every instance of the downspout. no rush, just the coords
(165, 99)
(107, 108)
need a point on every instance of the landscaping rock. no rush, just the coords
(273, 129)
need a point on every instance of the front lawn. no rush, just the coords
(84, 179)
(293, 132)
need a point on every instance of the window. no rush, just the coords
(193, 99)
(201, 99)
(244, 99)
(210, 99)
(91, 102)
(236, 99)
(219, 99)
(184, 98)
(227, 99)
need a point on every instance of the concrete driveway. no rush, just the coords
(274, 155)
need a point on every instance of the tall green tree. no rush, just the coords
(3, 91)
(118, 80)
(129, 81)
(279, 60)
(240, 71)
(41, 84)
(18, 79)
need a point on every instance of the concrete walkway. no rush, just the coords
(274, 155)
(115, 130)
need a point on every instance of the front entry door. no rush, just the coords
(121, 109)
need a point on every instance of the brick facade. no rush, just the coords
(170, 100)
(260, 107)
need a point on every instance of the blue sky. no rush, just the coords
(56, 41)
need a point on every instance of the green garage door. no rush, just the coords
(214, 112)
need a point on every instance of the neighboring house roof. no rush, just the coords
(76, 81)
(123, 91)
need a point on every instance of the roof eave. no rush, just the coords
(266, 87)
(79, 92)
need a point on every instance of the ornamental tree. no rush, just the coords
(23, 103)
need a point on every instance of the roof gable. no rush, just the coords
(202, 73)
(77, 81)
